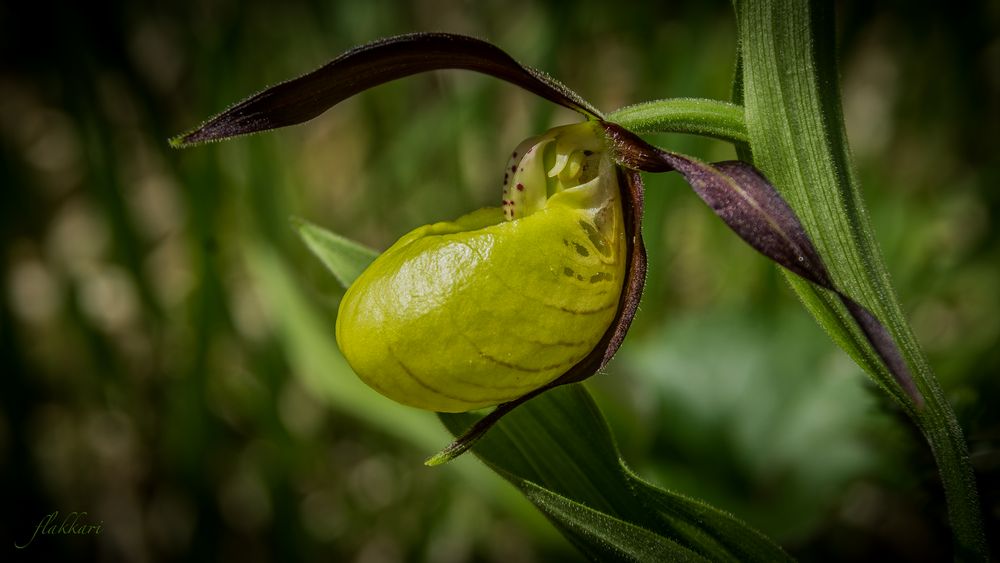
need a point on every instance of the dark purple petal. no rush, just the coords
(303, 98)
(886, 347)
(747, 202)
(740, 196)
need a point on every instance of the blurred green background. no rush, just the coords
(167, 343)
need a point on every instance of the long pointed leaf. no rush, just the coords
(795, 124)
(303, 98)
(604, 537)
(715, 528)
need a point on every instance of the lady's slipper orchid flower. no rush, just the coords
(505, 303)
(487, 308)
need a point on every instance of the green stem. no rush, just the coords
(711, 118)
(796, 132)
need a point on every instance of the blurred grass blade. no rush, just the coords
(303, 98)
(315, 359)
(558, 450)
(794, 120)
(345, 258)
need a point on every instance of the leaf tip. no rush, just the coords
(177, 142)
(298, 224)
(886, 348)
(190, 139)
(439, 458)
(450, 452)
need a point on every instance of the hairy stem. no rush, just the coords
(711, 118)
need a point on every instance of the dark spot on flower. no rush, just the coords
(514, 155)
(569, 272)
(520, 187)
(598, 240)
(581, 250)
(602, 276)
(588, 153)
(514, 168)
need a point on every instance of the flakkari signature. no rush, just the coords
(70, 525)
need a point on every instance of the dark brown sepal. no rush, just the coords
(303, 98)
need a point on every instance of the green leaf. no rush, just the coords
(314, 358)
(344, 258)
(559, 451)
(720, 534)
(604, 537)
(795, 123)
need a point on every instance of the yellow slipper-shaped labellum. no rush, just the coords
(478, 311)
